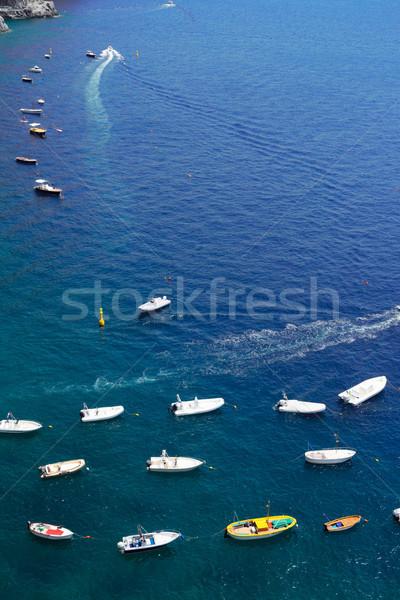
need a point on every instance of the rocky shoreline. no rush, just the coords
(25, 9)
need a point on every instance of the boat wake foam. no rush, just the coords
(92, 92)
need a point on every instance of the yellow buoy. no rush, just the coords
(137, 53)
(101, 321)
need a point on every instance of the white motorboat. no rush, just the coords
(13, 425)
(196, 406)
(50, 532)
(40, 101)
(329, 456)
(43, 187)
(90, 54)
(396, 514)
(364, 390)
(31, 111)
(61, 468)
(298, 406)
(154, 304)
(143, 540)
(172, 464)
(103, 413)
(47, 55)
(35, 69)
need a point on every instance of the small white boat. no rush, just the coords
(50, 532)
(298, 406)
(35, 69)
(196, 406)
(172, 464)
(40, 101)
(329, 456)
(396, 514)
(27, 79)
(61, 468)
(146, 541)
(43, 187)
(103, 413)
(154, 304)
(47, 55)
(364, 390)
(31, 111)
(90, 54)
(13, 425)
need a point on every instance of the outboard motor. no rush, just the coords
(173, 408)
(148, 463)
(81, 414)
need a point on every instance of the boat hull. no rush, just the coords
(153, 306)
(61, 468)
(18, 426)
(26, 161)
(148, 541)
(170, 464)
(329, 456)
(342, 524)
(105, 413)
(46, 192)
(300, 407)
(364, 391)
(260, 528)
(196, 407)
(50, 532)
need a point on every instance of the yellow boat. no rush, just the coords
(343, 523)
(260, 528)
(38, 131)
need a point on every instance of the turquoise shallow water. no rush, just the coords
(286, 118)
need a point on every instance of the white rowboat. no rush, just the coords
(50, 532)
(298, 406)
(31, 111)
(147, 541)
(196, 406)
(103, 413)
(329, 456)
(172, 464)
(154, 304)
(13, 425)
(364, 390)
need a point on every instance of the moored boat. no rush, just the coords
(27, 79)
(26, 160)
(329, 456)
(12, 425)
(364, 391)
(102, 413)
(343, 523)
(50, 532)
(154, 304)
(61, 468)
(90, 54)
(40, 101)
(35, 69)
(31, 111)
(143, 540)
(47, 55)
(43, 187)
(172, 464)
(196, 406)
(259, 528)
(38, 131)
(298, 406)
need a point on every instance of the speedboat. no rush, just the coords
(90, 54)
(364, 390)
(27, 79)
(26, 160)
(260, 528)
(50, 532)
(196, 406)
(343, 523)
(298, 406)
(329, 456)
(31, 111)
(43, 187)
(13, 425)
(169, 3)
(143, 540)
(35, 69)
(102, 413)
(172, 464)
(154, 304)
(38, 131)
(61, 468)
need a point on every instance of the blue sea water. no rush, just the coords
(249, 152)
